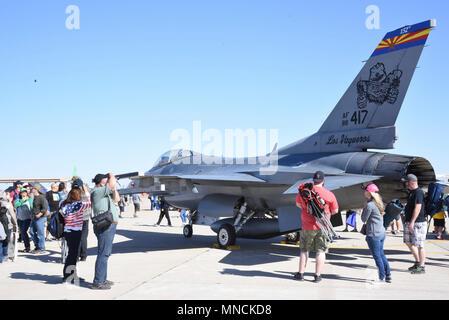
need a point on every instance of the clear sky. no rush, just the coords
(107, 97)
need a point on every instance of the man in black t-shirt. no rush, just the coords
(52, 197)
(415, 224)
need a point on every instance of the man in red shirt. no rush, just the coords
(311, 236)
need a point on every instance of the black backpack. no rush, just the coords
(4, 222)
(56, 225)
(392, 210)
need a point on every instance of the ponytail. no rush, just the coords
(378, 202)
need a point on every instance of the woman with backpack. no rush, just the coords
(372, 216)
(72, 210)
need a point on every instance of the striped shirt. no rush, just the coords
(73, 215)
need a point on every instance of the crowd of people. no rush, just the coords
(414, 234)
(29, 209)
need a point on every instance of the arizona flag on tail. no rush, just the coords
(405, 37)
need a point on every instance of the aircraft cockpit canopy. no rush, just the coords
(173, 155)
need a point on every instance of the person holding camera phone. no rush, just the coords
(103, 197)
(72, 209)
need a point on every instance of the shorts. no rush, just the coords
(438, 222)
(313, 240)
(418, 236)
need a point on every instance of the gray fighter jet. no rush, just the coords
(243, 198)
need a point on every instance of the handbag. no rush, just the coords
(363, 230)
(103, 220)
(351, 220)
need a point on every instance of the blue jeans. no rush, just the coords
(376, 245)
(24, 225)
(37, 231)
(183, 215)
(105, 240)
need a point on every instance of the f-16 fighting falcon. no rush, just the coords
(239, 199)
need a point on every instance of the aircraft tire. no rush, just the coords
(187, 231)
(226, 236)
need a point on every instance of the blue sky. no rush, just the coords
(107, 96)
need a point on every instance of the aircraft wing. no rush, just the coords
(232, 177)
(155, 183)
(336, 182)
(12, 180)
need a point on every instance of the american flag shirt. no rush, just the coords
(73, 215)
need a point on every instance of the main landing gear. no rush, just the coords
(226, 235)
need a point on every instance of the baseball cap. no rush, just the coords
(318, 177)
(372, 188)
(39, 188)
(410, 177)
(78, 183)
(99, 177)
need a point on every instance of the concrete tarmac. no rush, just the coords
(151, 262)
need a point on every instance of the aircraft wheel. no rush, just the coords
(188, 231)
(226, 236)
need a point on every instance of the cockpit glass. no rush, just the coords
(171, 156)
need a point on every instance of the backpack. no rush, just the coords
(4, 222)
(56, 225)
(434, 199)
(392, 210)
(446, 201)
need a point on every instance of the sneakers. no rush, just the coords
(416, 265)
(108, 282)
(37, 251)
(388, 279)
(378, 281)
(299, 276)
(101, 286)
(419, 270)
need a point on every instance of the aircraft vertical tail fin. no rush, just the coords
(366, 114)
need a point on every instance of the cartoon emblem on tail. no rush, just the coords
(380, 87)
